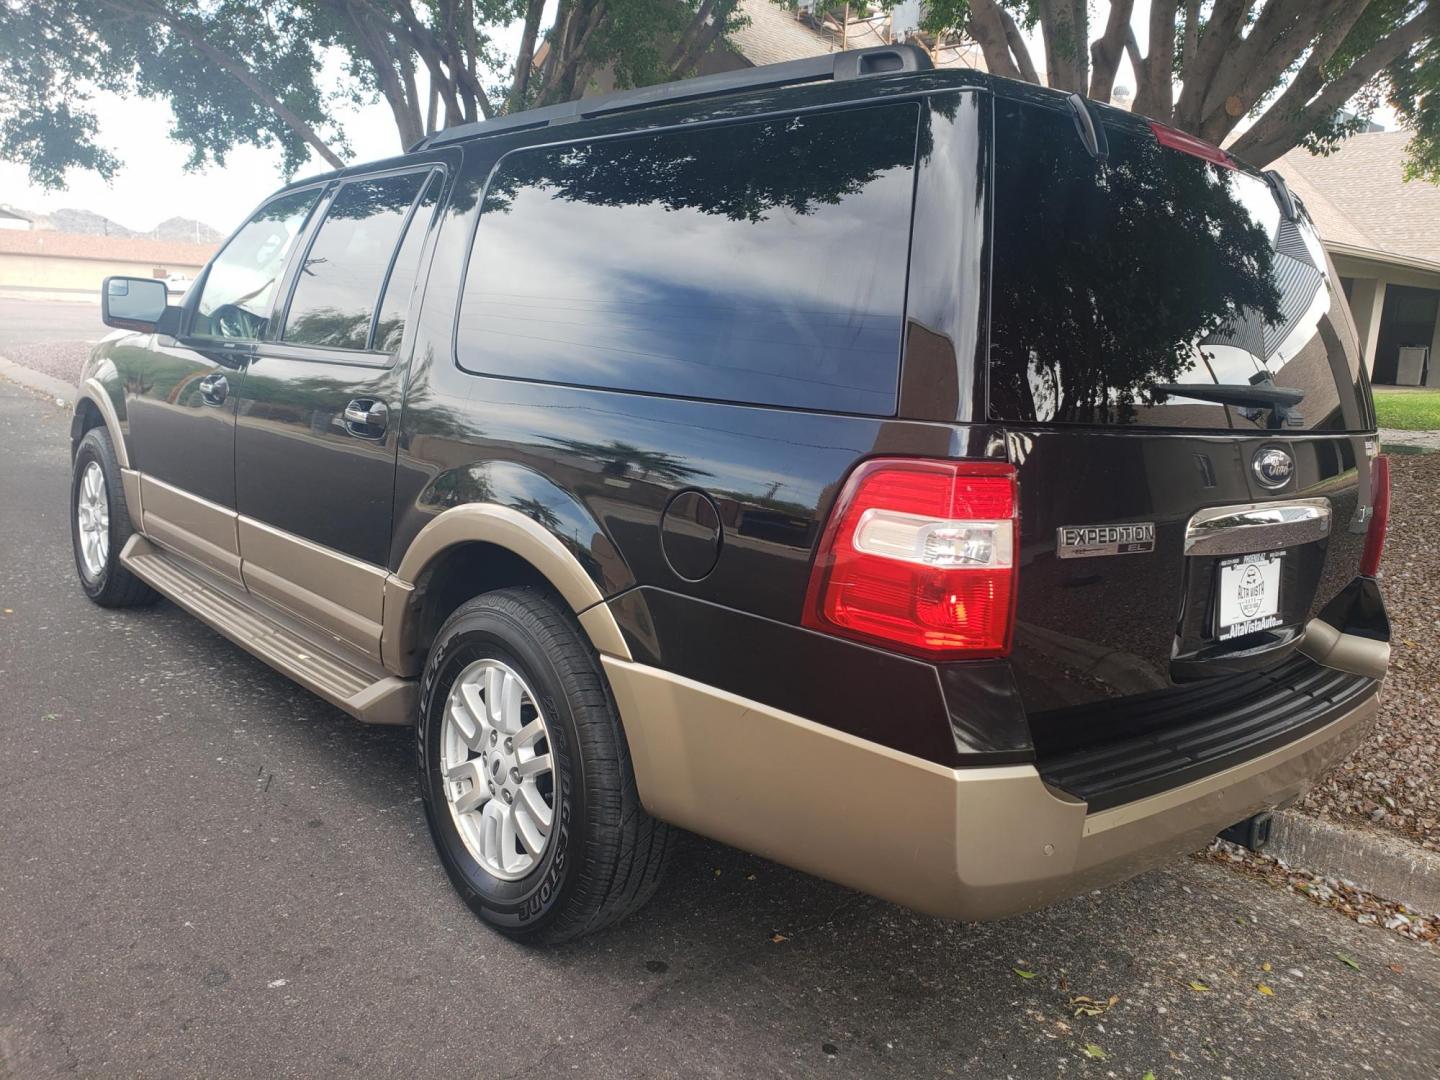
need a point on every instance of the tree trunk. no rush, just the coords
(1276, 41)
(985, 27)
(1155, 94)
(1065, 24)
(1108, 49)
(525, 60)
(1018, 48)
(1278, 131)
(1220, 34)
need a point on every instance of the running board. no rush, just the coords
(324, 666)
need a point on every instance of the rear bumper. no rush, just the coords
(969, 843)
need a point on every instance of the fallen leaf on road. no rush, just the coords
(1023, 974)
(1399, 969)
(1265, 966)
(778, 937)
(1088, 1006)
(1265, 990)
(1149, 1075)
(1093, 1052)
(1198, 986)
(1348, 961)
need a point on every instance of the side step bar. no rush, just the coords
(322, 665)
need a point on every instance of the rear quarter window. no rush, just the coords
(1155, 267)
(759, 262)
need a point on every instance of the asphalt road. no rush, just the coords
(25, 321)
(205, 871)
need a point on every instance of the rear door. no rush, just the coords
(319, 411)
(1166, 538)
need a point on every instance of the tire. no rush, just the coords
(102, 577)
(603, 855)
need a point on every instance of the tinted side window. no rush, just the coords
(339, 283)
(240, 286)
(395, 304)
(1155, 269)
(760, 262)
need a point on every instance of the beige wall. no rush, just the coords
(52, 272)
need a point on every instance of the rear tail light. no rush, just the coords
(1186, 143)
(1379, 515)
(919, 556)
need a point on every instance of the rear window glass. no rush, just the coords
(1157, 268)
(758, 262)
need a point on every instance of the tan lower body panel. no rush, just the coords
(340, 595)
(969, 843)
(192, 526)
(130, 480)
(346, 679)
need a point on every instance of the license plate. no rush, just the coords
(1248, 594)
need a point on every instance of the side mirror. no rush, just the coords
(133, 303)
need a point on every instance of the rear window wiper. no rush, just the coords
(1279, 400)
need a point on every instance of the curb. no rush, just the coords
(1378, 864)
(55, 389)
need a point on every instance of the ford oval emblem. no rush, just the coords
(1273, 467)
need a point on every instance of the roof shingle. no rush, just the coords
(1358, 195)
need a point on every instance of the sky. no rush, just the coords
(153, 185)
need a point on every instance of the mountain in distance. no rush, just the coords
(89, 223)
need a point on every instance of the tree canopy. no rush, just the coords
(1296, 72)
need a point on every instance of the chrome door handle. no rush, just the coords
(213, 389)
(366, 419)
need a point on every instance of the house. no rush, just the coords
(56, 263)
(9, 219)
(1383, 235)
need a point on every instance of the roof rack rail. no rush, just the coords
(837, 67)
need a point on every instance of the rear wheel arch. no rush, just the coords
(478, 548)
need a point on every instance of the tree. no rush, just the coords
(240, 73)
(1289, 66)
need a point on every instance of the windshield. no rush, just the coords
(1117, 284)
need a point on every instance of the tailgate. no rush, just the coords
(1168, 535)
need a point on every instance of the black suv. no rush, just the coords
(937, 483)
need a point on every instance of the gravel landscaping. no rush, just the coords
(1393, 781)
(58, 359)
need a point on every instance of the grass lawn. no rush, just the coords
(1413, 410)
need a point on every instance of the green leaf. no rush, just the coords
(1348, 961)
(1094, 1053)
(1149, 1075)
(1199, 987)
(1023, 973)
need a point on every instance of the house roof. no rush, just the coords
(775, 35)
(1358, 196)
(109, 248)
(4, 213)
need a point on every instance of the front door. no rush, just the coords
(319, 410)
(181, 391)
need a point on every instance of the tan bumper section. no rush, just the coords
(970, 843)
